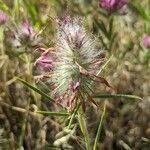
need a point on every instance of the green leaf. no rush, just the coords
(111, 27)
(115, 96)
(103, 28)
(3, 6)
(83, 127)
(36, 89)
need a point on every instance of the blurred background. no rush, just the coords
(120, 34)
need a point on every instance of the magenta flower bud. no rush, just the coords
(44, 62)
(3, 18)
(146, 41)
(112, 4)
(27, 28)
(25, 31)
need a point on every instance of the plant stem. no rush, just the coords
(48, 113)
(73, 115)
(134, 97)
(99, 127)
(37, 113)
(23, 128)
(83, 127)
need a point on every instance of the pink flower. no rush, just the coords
(112, 4)
(146, 41)
(27, 28)
(27, 35)
(3, 18)
(44, 62)
(26, 31)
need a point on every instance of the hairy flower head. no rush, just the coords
(77, 62)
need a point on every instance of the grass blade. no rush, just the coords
(99, 128)
(36, 90)
(73, 115)
(84, 130)
(134, 97)
(52, 113)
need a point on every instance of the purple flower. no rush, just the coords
(44, 62)
(26, 34)
(25, 31)
(27, 28)
(112, 4)
(3, 17)
(146, 41)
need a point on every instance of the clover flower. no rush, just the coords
(3, 18)
(146, 41)
(77, 60)
(26, 35)
(44, 62)
(112, 4)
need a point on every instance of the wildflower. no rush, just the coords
(76, 64)
(78, 61)
(27, 35)
(146, 41)
(3, 18)
(112, 4)
(26, 30)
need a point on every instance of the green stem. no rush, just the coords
(23, 128)
(134, 97)
(99, 127)
(104, 66)
(83, 127)
(73, 115)
(52, 113)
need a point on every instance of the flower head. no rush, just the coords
(112, 4)
(27, 35)
(3, 18)
(146, 41)
(77, 62)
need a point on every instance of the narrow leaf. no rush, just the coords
(99, 128)
(36, 90)
(102, 80)
(92, 100)
(111, 27)
(134, 97)
(83, 127)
